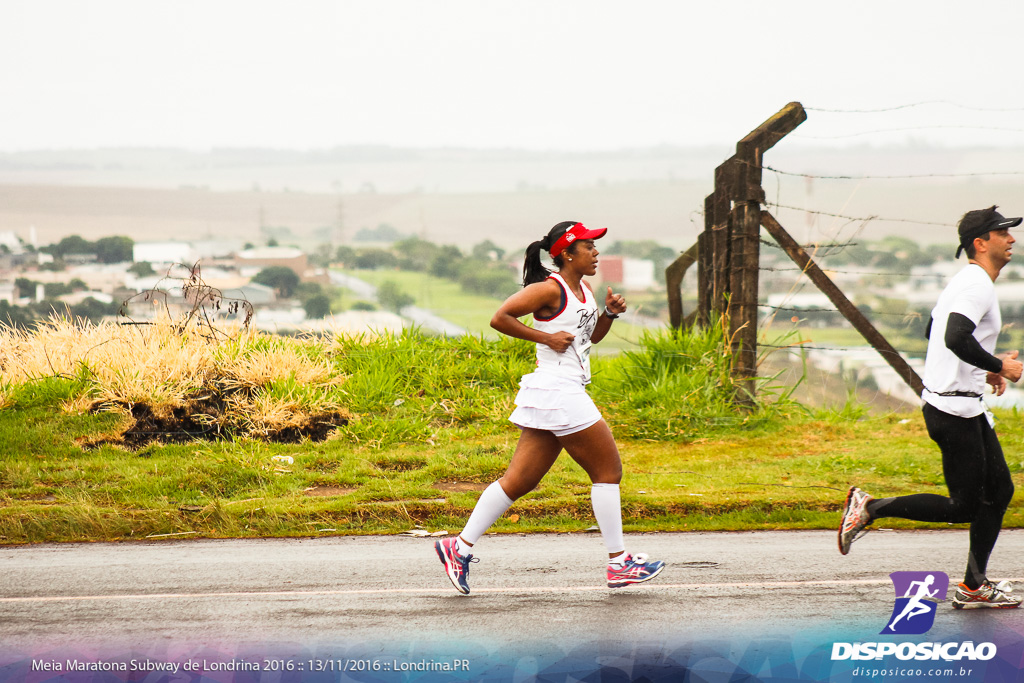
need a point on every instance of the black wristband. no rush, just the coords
(608, 314)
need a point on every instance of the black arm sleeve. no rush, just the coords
(961, 342)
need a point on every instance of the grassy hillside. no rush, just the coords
(419, 428)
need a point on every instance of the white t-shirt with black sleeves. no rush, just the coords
(972, 294)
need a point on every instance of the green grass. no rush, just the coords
(431, 430)
(790, 474)
(442, 297)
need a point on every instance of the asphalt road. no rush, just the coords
(525, 588)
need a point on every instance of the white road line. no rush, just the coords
(430, 591)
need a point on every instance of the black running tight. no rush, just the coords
(978, 480)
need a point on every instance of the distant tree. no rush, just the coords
(281, 278)
(56, 266)
(272, 242)
(317, 306)
(306, 290)
(142, 269)
(416, 254)
(248, 245)
(93, 310)
(78, 285)
(345, 255)
(382, 233)
(322, 255)
(14, 316)
(363, 306)
(498, 282)
(72, 244)
(114, 249)
(447, 262)
(374, 259)
(488, 250)
(392, 297)
(940, 252)
(52, 290)
(25, 287)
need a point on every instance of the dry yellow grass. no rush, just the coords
(128, 364)
(260, 384)
(243, 367)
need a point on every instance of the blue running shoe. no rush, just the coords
(636, 569)
(455, 565)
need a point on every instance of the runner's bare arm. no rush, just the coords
(540, 297)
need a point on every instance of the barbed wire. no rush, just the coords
(851, 219)
(912, 105)
(860, 222)
(910, 315)
(813, 246)
(799, 345)
(766, 167)
(905, 129)
(859, 218)
(836, 270)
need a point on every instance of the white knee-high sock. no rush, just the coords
(608, 511)
(492, 504)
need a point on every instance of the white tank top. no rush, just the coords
(578, 318)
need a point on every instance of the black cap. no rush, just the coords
(977, 223)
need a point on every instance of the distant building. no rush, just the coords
(254, 293)
(252, 261)
(631, 273)
(164, 253)
(211, 250)
(78, 297)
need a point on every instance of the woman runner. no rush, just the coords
(553, 409)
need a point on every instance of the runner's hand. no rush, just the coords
(998, 383)
(1012, 367)
(560, 341)
(615, 303)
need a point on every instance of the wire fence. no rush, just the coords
(912, 105)
(846, 235)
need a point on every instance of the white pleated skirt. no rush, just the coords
(559, 405)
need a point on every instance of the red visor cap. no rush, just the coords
(576, 232)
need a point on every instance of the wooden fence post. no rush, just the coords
(674, 282)
(728, 256)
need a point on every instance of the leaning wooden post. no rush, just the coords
(845, 306)
(674, 282)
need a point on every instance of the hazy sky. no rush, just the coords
(550, 74)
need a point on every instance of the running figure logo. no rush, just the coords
(917, 596)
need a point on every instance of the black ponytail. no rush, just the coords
(533, 269)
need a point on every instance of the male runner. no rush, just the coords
(961, 340)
